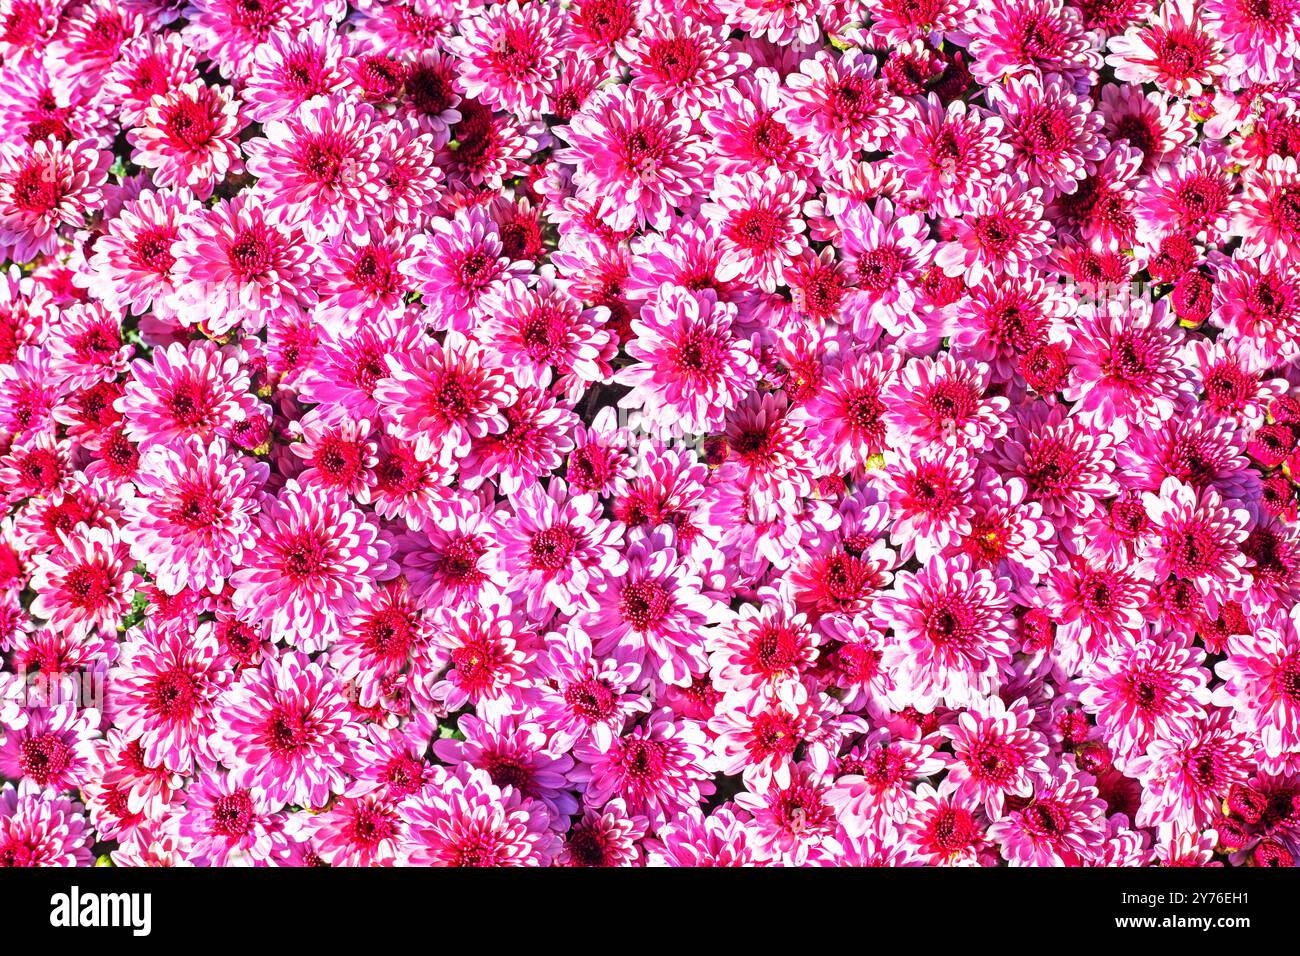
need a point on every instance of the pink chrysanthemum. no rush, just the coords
(509, 55)
(694, 364)
(950, 154)
(199, 390)
(235, 265)
(444, 396)
(319, 165)
(1125, 366)
(43, 187)
(633, 159)
(841, 107)
(164, 690)
(41, 828)
(1186, 777)
(317, 555)
(1061, 826)
(996, 754)
(188, 137)
(84, 585)
(228, 824)
(284, 730)
(951, 632)
(1141, 691)
(557, 547)
(1261, 687)
(193, 516)
(656, 769)
(462, 818)
(1174, 50)
(761, 229)
(1197, 537)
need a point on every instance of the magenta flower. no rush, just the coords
(951, 632)
(694, 365)
(194, 515)
(284, 730)
(656, 769)
(43, 187)
(462, 818)
(316, 557)
(188, 137)
(632, 159)
(164, 692)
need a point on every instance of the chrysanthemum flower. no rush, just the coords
(996, 754)
(1102, 210)
(694, 365)
(1186, 777)
(632, 158)
(1261, 687)
(532, 444)
(292, 67)
(1053, 132)
(228, 824)
(656, 614)
(228, 31)
(462, 818)
(40, 828)
(604, 837)
(1264, 42)
(657, 769)
(317, 556)
(513, 752)
(1006, 318)
(951, 154)
(357, 830)
(486, 647)
(1174, 49)
(943, 401)
(284, 730)
(929, 495)
(509, 55)
(188, 137)
(235, 264)
(885, 250)
(85, 585)
(840, 106)
(50, 747)
(181, 391)
(748, 134)
(1192, 197)
(557, 547)
(1196, 537)
(319, 165)
(761, 229)
(458, 264)
(543, 334)
(682, 61)
(1066, 466)
(1002, 232)
(46, 186)
(845, 418)
(1061, 826)
(164, 690)
(193, 516)
(1125, 366)
(1036, 37)
(146, 66)
(951, 628)
(444, 396)
(133, 262)
(1140, 691)
(584, 698)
